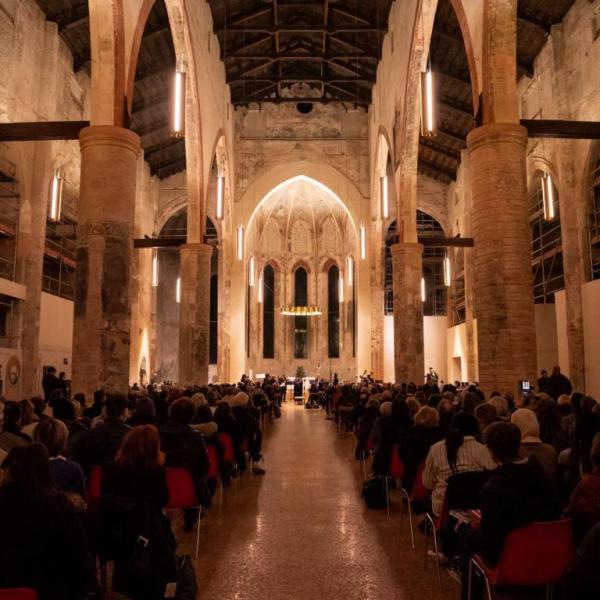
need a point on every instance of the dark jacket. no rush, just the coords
(387, 432)
(233, 428)
(50, 383)
(42, 546)
(149, 485)
(98, 445)
(413, 449)
(186, 448)
(515, 495)
(557, 385)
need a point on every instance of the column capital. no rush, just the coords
(403, 248)
(497, 133)
(109, 135)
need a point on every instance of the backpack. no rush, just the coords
(373, 493)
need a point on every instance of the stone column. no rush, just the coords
(407, 264)
(101, 336)
(194, 314)
(503, 281)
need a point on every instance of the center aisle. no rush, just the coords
(302, 532)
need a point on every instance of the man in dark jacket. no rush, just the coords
(558, 384)
(99, 445)
(516, 494)
(186, 448)
(50, 383)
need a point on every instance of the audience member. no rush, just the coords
(558, 384)
(144, 412)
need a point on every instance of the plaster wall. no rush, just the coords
(56, 334)
(546, 336)
(591, 328)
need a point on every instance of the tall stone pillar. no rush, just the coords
(194, 314)
(101, 336)
(503, 281)
(407, 264)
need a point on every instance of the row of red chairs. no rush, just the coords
(18, 594)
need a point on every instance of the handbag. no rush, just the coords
(373, 493)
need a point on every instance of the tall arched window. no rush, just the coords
(214, 320)
(333, 312)
(268, 283)
(301, 323)
(594, 214)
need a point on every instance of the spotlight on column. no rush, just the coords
(178, 117)
(178, 290)
(240, 242)
(363, 242)
(423, 290)
(220, 196)
(447, 272)
(428, 116)
(251, 272)
(548, 197)
(260, 288)
(155, 269)
(350, 270)
(341, 289)
(385, 200)
(56, 191)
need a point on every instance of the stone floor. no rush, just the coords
(302, 532)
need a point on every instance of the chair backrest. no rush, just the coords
(370, 444)
(396, 465)
(227, 442)
(537, 554)
(94, 482)
(18, 594)
(182, 493)
(419, 492)
(213, 460)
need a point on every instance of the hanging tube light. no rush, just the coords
(548, 197)
(251, 272)
(428, 116)
(385, 200)
(178, 290)
(363, 242)
(240, 242)
(341, 289)
(56, 190)
(220, 196)
(423, 290)
(447, 272)
(155, 269)
(178, 117)
(350, 270)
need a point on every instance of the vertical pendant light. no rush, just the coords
(341, 289)
(155, 269)
(363, 242)
(423, 290)
(178, 290)
(56, 190)
(178, 116)
(447, 272)
(220, 196)
(240, 242)
(350, 270)
(251, 272)
(385, 200)
(548, 197)
(428, 116)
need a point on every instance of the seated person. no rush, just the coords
(67, 475)
(144, 412)
(226, 423)
(387, 431)
(365, 428)
(64, 410)
(99, 445)
(42, 544)
(516, 494)
(583, 579)
(249, 420)
(186, 448)
(13, 413)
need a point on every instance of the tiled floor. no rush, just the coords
(302, 532)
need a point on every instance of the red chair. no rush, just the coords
(18, 594)
(436, 523)
(213, 472)
(419, 493)
(182, 494)
(227, 442)
(396, 472)
(535, 555)
(94, 483)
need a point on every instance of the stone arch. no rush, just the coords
(301, 264)
(330, 262)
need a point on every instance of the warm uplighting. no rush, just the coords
(155, 269)
(363, 242)
(240, 242)
(178, 290)
(423, 290)
(301, 311)
(385, 200)
(178, 117)
(447, 272)
(56, 190)
(260, 288)
(341, 289)
(251, 272)
(220, 196)
(350, 270)
(428, 117)
(548, 197)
